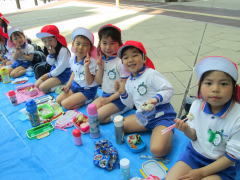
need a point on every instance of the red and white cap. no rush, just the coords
(109, 26)
(52, 30)
(83, 32)
(217, 63)
(139, 46)
(4, 19)
(5, 35)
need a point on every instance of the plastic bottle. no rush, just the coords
(93, 121)
(118, 124)
(125, 169)
(4, 72)
(77, 137)
(12, 97)
(31, 108)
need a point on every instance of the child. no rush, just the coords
(215, 128)
(58, 58)
(108, 72)
(147, 87)
(20, 52)
(3, 48)
(4, 23)
(81, 86)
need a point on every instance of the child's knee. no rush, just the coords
(43, 88)
(159, 151)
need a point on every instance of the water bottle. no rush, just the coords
(93, 121)
(5, 75)
(77, 137)
(118, 124)
(125, 169)
(31, 108)
(12, 97)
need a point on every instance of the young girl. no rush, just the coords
(20, 52)
(81, 86)
(146, 88)
(4, 23)
(108, 72)
(3, 48)
(215, 128)
(58, 58)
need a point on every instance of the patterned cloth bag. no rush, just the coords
(105, 155)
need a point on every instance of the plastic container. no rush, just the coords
(12, 97)
(45, 111)
(83, 126)
(119, 133)
(31, 108)
(93, 121)
(135, 143)
(152, 167)
(40, 132)
(125, 169)
(77, 137)
(4, 72)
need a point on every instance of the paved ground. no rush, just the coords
(174, 34)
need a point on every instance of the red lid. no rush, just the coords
(11, 93)
(76, 133)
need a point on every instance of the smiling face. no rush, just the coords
(18, 39)
(108, 46)
(50, 42)
(217, 89)
(81, 46)
(133, 60)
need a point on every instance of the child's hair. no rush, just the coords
(112, 31)
(218, 63)
(16, 34)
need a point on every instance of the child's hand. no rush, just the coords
(121, 86)
(87, 60)
(195, 174)
(51, 50)
(153, 101)
(65, 88)
(44, 77)
(100, 62)
(181, 125)
(103, 101)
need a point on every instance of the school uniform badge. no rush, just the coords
(112, 74)
(142, 89)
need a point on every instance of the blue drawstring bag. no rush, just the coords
(105, 155)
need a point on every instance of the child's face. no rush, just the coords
(18, 39)
(49, 42)
(217, 89)
(108, 46)
(82, 46)
(133, 60)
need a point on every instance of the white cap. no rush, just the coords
(14, 29)
(217, 63)
(83, 32)
(118, 121)
(124, 163)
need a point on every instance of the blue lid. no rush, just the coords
(31, 106)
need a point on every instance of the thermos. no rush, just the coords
(118, 124)
(93, 121)
(125, 169)
(12, 97)
(31, 108)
